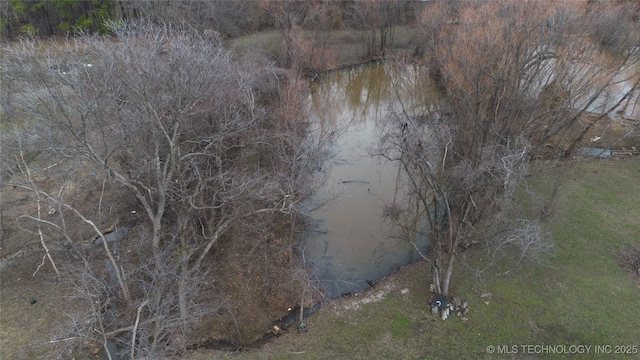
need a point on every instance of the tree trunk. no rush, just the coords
(182, 293)
(437, 266)
(447, 276)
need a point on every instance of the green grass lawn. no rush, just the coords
(581, 296)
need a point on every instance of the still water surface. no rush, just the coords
(351, 243)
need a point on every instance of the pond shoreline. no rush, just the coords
(400, 54)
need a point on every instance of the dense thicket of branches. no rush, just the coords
(63, 17)
(510, 76)
(204, 144)
(229, 18)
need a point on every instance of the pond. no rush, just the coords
(350, 243)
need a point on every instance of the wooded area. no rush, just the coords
(143, 121)
(230, 18)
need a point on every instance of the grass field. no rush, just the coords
(580, 297)
(340, 47)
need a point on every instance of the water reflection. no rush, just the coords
(351, 243)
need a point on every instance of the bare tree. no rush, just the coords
(291, 17)
(228, 18)
(376, 19)
(170, 118)
(508, 79)
(26, 172)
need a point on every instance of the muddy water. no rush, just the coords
(351, 243)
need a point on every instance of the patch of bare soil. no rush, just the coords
(253, 279)
(396, 282)
(33, 310)
(630, 261)
(36, 303)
